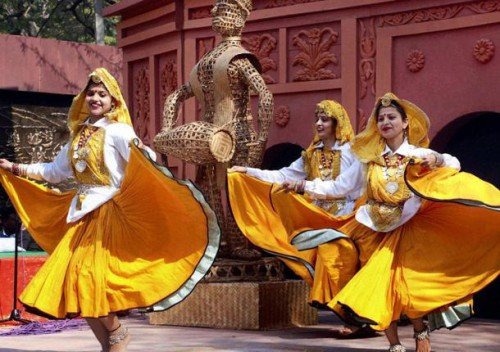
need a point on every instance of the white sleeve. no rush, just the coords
(347, 182)
(449, 160)
(122, 135)
(53, 172)
(294, 172)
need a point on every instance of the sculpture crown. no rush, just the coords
(244, 5)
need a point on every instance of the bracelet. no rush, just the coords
(19, 169)
(439, 159)
(15, 169)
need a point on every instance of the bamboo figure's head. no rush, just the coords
(229, 16)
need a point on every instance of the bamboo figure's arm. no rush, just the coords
(266, 104)
(172, 104)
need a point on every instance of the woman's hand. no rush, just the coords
(293, 186)
(432, 160)
(6, 165)
(288, 186)
(241, 169)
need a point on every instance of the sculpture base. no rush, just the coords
(233, 270)
(242, 305)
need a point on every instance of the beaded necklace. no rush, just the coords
(393, 169)
(325, 164)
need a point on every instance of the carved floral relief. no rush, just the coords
(282, 115)
(168, 79)
(484, 50)
(262, 46)
(314, 55)
(415, 61)
(141, 103)
(368, 32)
(368, 50)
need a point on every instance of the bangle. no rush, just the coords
(15, 169)
(439, 159)
(18, 169)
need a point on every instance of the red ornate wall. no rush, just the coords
(439, 54)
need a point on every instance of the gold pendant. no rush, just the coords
(325, 173)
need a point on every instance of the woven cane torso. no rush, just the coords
(223, 92)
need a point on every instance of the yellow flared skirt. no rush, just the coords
(285, 224)
(146, 247)
(449, 250)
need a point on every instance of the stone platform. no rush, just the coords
(242, 305)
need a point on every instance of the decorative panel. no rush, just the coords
(314, 53)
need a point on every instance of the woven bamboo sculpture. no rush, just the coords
(199, 143)
(221, 82)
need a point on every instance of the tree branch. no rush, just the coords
(48, 19)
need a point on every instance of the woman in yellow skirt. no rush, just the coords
(297, 228)
(131, 235)
(428, 235)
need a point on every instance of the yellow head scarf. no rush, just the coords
(369, 144)
(343, 130)
(79, 111)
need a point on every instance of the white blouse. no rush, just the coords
(412, 204)
(347, 185)
(116, 155)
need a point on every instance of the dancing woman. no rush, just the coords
(428, 235)
(296, 228)
(130, 235)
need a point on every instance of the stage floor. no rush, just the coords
(474, 335)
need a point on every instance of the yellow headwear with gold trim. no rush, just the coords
(369, 144)
(79, 111)
(343, 129)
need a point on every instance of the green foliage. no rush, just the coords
(72, 20)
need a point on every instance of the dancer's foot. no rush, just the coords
(355, 332)
(119, 339)
(422, 340)
(397, 348)
(100, 332)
